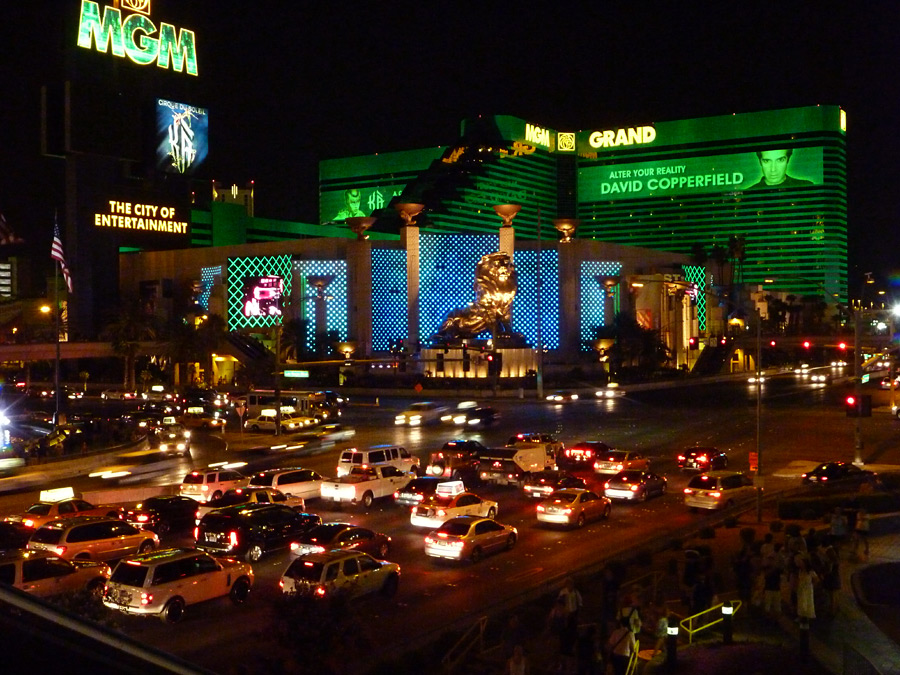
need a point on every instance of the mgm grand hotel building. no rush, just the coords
(608, 220)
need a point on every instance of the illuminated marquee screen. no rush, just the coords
(257, 288)
(182, 137)
(133, 216)
(697, 175)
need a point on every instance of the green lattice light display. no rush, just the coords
(242, 271)
(696, 274)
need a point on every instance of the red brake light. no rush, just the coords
(702, 458)
(233, 538)
(143, 518)
(146, 598)
(688, 491)
(715, 494)
(396, 495)
(238, 490)
(606, 485)
(196, 533)
(59, 550)
(634, 488)
(320, 591)
(540, 508)
(441, 512)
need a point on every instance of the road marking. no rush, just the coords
(524, 575)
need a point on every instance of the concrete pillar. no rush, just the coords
(569, 301)
(359, 300)
(409, 235)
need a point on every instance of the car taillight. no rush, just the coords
(540, 508)
(59, 550)
(441, 512)
(804, 475)
(510, 476)
(396, 495)
(568, 453)
(596, 465)
(233, 538)
(620, 467)
(143, 518)
(196, 533)
(688, 491)
(567, 511)
(715, 494)
(606, 485)
(146, 598)
(702, 458)
(681, 458)
(28, 522)
(634, 488)
(823, 478)
(320, 591)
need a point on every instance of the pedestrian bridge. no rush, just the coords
(46, 351)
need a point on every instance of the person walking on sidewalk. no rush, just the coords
(861, 534)
(839, 528)
(806, 581)
(621, 644)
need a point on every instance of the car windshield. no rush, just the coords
(630, 476)
(47, 535)
(702, 482)
(231, 497)
(305, 570)
(262, 480)
(129, 575)
(325, 532)
(39, 509)
(563, 496)
(613, 456)
(421, 485)
(456, 528)
(193, 479)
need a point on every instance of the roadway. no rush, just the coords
(800, 423)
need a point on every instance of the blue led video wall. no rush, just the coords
(596, 309)
(525, 307)
(335, 300)
(447, 274)
(389, 311)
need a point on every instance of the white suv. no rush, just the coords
(210, 484)
(165, 582)
(379, 455)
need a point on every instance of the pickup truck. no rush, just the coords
(250, 495)
(363, 486)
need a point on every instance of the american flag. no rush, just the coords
(56, 252)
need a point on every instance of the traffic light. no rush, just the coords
(858, 406)
(842, 346)
(495, 363)
(693, 343)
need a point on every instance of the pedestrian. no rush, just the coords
(513, 635)
(702, 593)
(517, 664)
(609, 588)
(772, 573)
(861, 534)
(806, 582)
(631, 612)
(558, 625)
(839, 528)
(573, 602)
(621, 644)
(831, 579)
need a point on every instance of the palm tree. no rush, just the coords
(125, 335)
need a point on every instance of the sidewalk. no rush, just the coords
(851, 642)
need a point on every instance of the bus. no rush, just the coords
(309, 403)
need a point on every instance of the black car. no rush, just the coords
(457, 459)
(481, 416)
(542, 483)
(838, 473)
(163, 513)
(417, 490)
(330, 536)
(14, 535)
(252, 530)
(702, 459)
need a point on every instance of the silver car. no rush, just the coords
(469, 537)
(573, 506)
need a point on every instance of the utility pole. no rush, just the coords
(857, 380)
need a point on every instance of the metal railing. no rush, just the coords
(472, 637)
(706, 619)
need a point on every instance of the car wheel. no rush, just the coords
(367, 499)
(255, 427)
(475, 556)
(580, 521)
(510, 542)
(240, 591)
(389, 590)
(643, 496)
(383, 550)
(95, 588)
(113, 514)
(254, 553)
(146, 547)
(217, 494)
(173, 612)
(492, 513)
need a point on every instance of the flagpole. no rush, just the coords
(56, 370)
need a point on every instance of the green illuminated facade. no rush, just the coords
(774, 182)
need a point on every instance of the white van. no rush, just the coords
(379, 455)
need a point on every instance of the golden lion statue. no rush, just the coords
(495, 290)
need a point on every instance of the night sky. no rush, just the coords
(290, 83)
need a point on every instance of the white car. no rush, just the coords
(420, 414)
(118, 395)
(614, 461)
(718, 490)
(327, 573)
(210, 484)
(436, 510)
(164, 582)
(292, 481)
(267, 419)
(379, 455)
